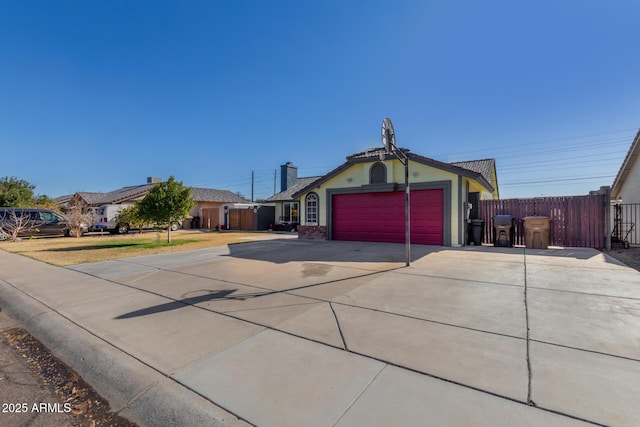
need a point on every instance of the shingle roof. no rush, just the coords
(90, 198)
(475, 169)
(484, 167)
(287, 194)
(213, 195)
(136, 191)
(126, 193)
(62, 199)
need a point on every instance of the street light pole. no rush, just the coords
(389, 143)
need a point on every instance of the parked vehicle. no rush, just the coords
(285, 226)
(35, 222)
(106, 220)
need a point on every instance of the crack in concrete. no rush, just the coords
(335, 316)
(528, 341)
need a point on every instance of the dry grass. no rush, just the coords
(68, 250)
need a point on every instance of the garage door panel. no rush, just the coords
(379, 217)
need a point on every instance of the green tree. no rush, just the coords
(168, 202)
(130, 217)
(42, 201)
(16, 192)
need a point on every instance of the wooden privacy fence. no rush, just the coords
(576, 221)
(241, 219)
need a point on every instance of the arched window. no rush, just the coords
(311, 203)
(378, 173)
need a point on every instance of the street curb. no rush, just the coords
(133, 389)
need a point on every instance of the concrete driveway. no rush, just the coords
(291, 332)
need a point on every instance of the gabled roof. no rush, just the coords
(62, 199)
(89, 197)
(375, 154)
(126, 193)
(484, 167)
(288, 194)
(213, 195)
(627, 165)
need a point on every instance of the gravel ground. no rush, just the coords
(630, 256)
(38, 390)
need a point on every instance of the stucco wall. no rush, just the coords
(630, 191)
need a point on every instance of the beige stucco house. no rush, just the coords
(363, 199)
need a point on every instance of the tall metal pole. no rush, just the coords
(389, 143)
(407, 213)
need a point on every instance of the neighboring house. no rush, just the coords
(625, 194)
(121, 196)
(363, 199)
(287, 207)
(208, 209)
(62, 201)
(626, 186)
(210, 206)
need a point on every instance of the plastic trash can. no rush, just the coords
(477, 230)
(536, 232)
(503, 230)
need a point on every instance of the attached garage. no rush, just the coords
(380, 217)
(363, 199)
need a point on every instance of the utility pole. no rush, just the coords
(275, 172)
(252, 179)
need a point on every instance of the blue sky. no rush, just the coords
(99, 95)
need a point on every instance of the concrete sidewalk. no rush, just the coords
(290, 332)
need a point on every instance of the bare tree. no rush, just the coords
(14, 223)
(79, 219)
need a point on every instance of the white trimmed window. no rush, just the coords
(312, 208)
(289, 212)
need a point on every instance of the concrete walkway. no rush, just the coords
(292, 332)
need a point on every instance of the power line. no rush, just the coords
(553, 142)
(558, 162)
(557, 179)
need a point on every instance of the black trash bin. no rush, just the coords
(477, 231)
(195, 222)
(504, 230)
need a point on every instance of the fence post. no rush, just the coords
(607, 219)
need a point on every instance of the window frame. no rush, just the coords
(374, 168)
(292, 207)
(312, 209)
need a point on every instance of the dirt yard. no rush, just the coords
(63, 251)
(630, 256)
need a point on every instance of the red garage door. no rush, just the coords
(379, 217)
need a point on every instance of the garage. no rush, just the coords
(379, 217)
